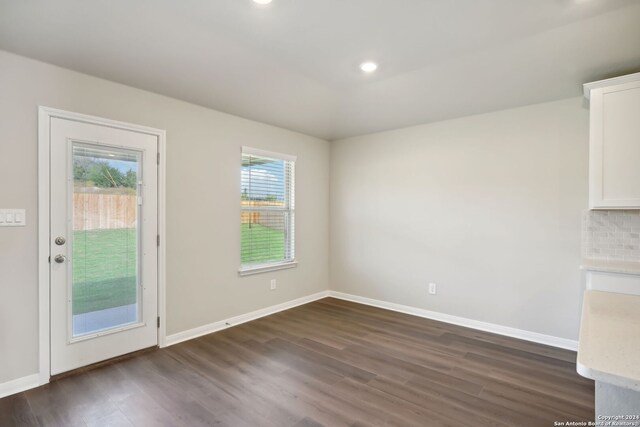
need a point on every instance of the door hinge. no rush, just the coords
(158, 240)
(158, 321)
(49, 260)
(158, 158)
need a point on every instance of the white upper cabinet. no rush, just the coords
(614, 153)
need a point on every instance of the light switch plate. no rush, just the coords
(13, 218)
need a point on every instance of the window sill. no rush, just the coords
(266, 268)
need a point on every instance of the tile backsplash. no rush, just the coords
(612, 235)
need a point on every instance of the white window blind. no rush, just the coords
(267, 209)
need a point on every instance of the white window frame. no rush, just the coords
(261, 268)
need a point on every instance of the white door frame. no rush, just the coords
(45, 114)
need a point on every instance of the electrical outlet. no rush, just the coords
(432, 288)
(273, 284)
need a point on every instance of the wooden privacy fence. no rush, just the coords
(250, 217)
(99, 211)
(95, 211)
(271, 219)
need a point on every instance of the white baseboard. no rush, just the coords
(462, 321)
(233, 321)
(19, 384)
(31, 381)
(447, 318)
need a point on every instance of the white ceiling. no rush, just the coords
(294, 63)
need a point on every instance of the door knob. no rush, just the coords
(60, 241)
(60, 259)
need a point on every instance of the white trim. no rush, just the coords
(243, 318)
(588, 87)
(44, 369)
(19, 384)
(265, 268)
(447, 318)
(268, 154)
(162, 232)
(84, 118)
(45, 114)
(462, 321)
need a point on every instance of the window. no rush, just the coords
(267, 211)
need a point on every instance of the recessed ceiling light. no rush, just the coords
(262, 1)
(368, 67)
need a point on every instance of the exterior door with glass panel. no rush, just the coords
(104, 222)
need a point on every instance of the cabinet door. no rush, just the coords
(615, 147)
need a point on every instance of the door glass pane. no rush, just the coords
(105, 274)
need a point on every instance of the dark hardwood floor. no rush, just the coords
(331, 363)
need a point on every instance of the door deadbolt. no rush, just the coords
(60, 259)
(60, 241)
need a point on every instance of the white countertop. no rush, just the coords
(609, 348)
(623, 267)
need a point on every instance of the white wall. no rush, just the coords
(203, 244)
(488, 207)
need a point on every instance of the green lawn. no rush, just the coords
(261, 244)
(105, 275)
(105, 265)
